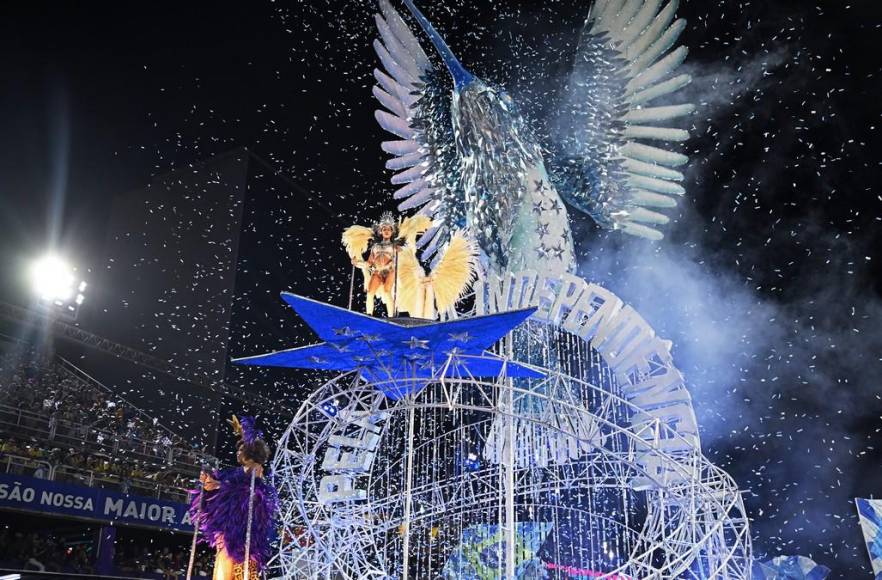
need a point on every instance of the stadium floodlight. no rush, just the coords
(53, 280)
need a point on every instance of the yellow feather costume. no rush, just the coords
(416, 293)
(356, 240)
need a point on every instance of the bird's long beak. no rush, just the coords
(461, 77)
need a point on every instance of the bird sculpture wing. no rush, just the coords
(611, 141)
(454, 271)
(416, 100)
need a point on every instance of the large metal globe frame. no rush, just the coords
(416, 490)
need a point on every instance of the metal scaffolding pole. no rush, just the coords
(509, 471)
(408, 494)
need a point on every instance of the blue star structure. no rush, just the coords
(399, 355)
(870, 516)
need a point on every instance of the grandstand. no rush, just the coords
(105, 419)
(57, 421)
(65, 435)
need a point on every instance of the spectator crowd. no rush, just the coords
(45, 388)
(56, 423)
(48, 552)
(167, 562)
(85, 434)
(127, 475)
(40, 552)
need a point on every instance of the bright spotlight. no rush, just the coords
(54, 282)
(52, 279)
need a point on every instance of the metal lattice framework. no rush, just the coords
(379, 488)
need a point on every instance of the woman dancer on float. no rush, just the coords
(236, 505)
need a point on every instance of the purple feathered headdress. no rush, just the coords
(246, 429)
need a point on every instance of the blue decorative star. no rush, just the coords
(542, 229)
(415, 343)
(541, 251)
(461, 337)
(391, 354)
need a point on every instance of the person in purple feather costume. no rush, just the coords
(222, 519)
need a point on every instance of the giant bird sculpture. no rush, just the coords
(471, 160)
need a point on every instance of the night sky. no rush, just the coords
(769, 283)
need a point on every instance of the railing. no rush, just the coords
(173, 450)
(26, 466)
(134, 486)
(18, 465)
(78, 374)
(78, 436)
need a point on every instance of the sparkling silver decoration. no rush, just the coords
(469, 157)
(412, 496)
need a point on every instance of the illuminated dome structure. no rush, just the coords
(411, 472)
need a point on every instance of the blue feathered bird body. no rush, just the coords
(470, 159)
(513, 209)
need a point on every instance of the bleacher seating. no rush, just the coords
(58, 423)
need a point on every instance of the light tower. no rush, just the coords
(54, 283)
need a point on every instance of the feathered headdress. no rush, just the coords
(387, 219)
(246, 429)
